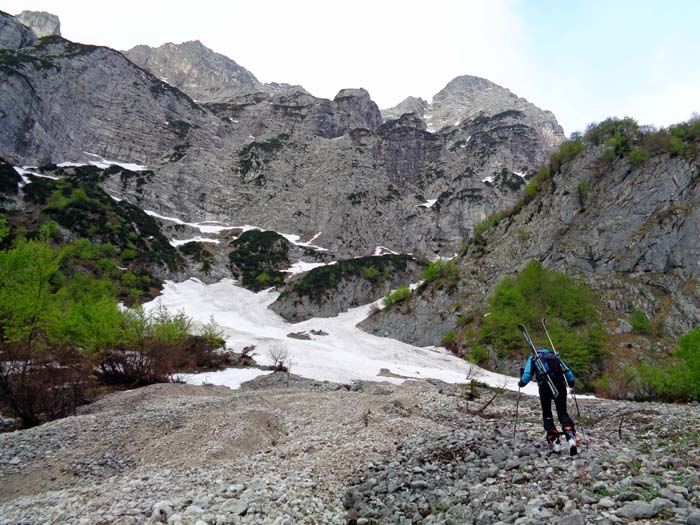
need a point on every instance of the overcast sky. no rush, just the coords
(584, 60)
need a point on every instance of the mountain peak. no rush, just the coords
(195, 69)
(465, 97)
(469, 83)
(414, 105)
(353, 92)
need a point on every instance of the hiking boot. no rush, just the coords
(571, 440)
(553, 441)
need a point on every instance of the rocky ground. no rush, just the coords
(279, 452)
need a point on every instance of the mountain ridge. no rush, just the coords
(278, 158)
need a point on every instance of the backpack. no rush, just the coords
(552, 365)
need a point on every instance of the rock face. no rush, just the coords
(272, 156)
(631, 235)
(195, 69)
(41, 23)
(61, 100)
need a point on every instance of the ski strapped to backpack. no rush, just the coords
(538, 361)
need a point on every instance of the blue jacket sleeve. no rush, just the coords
(528, 371)
(568, 373)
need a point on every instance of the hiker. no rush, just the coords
(558, 372)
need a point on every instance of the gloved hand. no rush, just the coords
(571, 384)
(521, 384)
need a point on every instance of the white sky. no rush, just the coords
(397, 48)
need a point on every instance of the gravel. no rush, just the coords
(307, 452)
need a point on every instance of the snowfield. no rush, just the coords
(346, 354)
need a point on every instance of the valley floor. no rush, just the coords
(325, 349)
(306, 451)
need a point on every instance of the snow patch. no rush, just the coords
(205, 226)
(346, 354)
(106, 163)
(231, 377)
(427, 204)
(103, 163)
(301, 267)
(519, 174)
(296, 239)
(382, 250)
(28, 170)
(174, 242)
(488, 179)
(218, 227)
(429, 126)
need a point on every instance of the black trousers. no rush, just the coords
(546, 398)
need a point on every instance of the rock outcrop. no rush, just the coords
(414, 105)
(41, 23)
(330, 290)
(63, 101)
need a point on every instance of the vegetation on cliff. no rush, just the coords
(617, 138)
(376, 269)
(257, 258)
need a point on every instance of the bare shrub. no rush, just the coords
(42, 388)
(279, 355)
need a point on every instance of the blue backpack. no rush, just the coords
(552, 364)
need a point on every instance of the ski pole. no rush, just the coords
(578, 414)
(517, 404)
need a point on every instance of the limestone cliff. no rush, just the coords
(628, 229)
(272, 156)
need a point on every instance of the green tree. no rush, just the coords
(688, 374)
(637, 156)
(4, 228)
(28, 306)
(92, 325)
(583, 188)
(27, 300)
